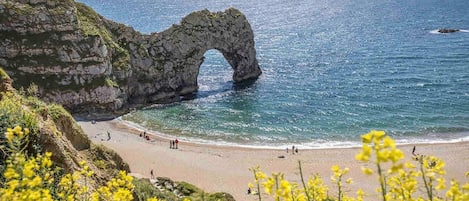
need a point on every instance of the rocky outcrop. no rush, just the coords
(93, 65)
(448, 30)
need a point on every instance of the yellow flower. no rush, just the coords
(335, 168)
(9, 135)
(11, 174)
(367, 171)
(441, 184)
(35, 182)
(378, 135)
(362, 157)
(466, 187)
(349, 181)
(285, 188)
(409, 165)
(46, 162)
(28, 170)
(345, 171)
(388, 142)
(90, 173)
(269, 185)
(360, 194)
(82, 163)
(260, 175)
(395, 168)
(366, 138)
(383, 155)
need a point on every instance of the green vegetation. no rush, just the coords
(106, 159)
(111, 83)
(194, 193)
(12, 112)
(53, 82)
(19, 8)
(91, 24)
(3, 74)
(145, 190)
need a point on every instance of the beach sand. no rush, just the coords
(226, 169)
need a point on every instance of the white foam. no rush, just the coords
(435, 31)
(316, 144)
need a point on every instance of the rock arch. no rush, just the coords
(183, 46)
(92, 65)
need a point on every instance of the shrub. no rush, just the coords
(145, 190)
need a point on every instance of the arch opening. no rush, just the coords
(215, 75)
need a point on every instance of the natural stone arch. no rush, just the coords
(93, 65)
(184, 46)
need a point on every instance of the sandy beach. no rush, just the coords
(225, 169)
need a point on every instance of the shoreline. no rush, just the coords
(216, 168)
(306, 146)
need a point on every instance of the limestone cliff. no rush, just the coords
(92, 65)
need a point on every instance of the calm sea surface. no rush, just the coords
(332, 70)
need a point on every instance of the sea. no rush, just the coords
(332, 70)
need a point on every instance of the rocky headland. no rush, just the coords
(92, 65)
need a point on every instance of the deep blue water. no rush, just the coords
(332, 70)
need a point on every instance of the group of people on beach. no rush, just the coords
(144, 135)
(293, 149)
(173, 144)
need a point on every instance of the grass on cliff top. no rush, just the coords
(3, 74)
(90, 24)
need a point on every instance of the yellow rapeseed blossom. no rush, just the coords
(316, 188)
(269, 185)
(367, 171)
(32, 178)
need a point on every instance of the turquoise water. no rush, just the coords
(332, 70)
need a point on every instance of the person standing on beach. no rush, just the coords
(293, 149)
(152, 175)
(171, 144)
(108, 136)
(176, 143)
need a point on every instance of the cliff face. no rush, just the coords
(90, 64)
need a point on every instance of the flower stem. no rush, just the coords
(381, 181)
(303, 181)
(258, 185)
(427, 187)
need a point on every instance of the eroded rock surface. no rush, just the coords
(93, 65)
